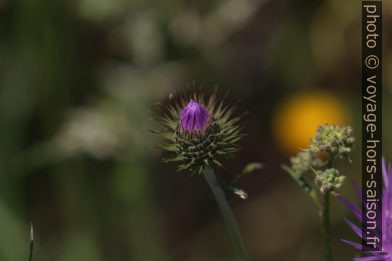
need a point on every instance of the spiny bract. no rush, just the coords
(199, 134)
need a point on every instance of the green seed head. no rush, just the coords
(334, 139)
(303, 161)
(329, 180)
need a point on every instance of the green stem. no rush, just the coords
(326, 228)
(31, 242)
(325, 222)
(227, 215)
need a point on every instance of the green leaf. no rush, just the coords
(252, 166)
(240, 193)
(247, 170)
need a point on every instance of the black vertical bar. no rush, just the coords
(371, 125)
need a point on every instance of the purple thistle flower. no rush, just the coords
(386, 254)
(194, 117)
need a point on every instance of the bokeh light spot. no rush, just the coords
(297, 117)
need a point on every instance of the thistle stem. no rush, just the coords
(326, 228)
(325, 222)
(31, 242)
(227, 214)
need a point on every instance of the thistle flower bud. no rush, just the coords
(199, 134)
(303, 161)
(334, 139)
(194, 117)
(329, 180)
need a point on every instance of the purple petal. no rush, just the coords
(352, 207)
(354, 227)
(194, 117)
(374, 255)
(354, 244)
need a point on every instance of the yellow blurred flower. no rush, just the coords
(297, 117)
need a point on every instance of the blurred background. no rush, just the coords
(79, 80)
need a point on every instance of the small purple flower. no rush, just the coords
(386, 254)
(194, 117)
